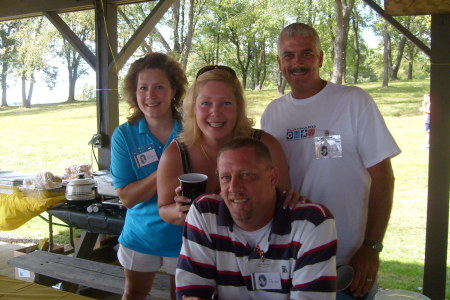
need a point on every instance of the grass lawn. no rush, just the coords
(52, 137)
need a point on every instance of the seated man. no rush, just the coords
(244, 245)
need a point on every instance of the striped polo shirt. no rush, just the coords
(214, 260)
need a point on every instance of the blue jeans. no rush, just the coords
(344, 296)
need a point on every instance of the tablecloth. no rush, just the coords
(11, 288)
(16, 209)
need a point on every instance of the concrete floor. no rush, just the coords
(6, 252)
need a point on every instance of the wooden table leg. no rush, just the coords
(85, 245)
(83, 249)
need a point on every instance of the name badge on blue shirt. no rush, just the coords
(145, 155)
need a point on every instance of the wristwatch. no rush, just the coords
(376, 246)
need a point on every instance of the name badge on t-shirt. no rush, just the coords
(145, 155)
(262, 275)
(328, 146)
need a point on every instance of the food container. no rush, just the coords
(103, 182)
(80, 189)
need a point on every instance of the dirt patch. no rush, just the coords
(14, 239)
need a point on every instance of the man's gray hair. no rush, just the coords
(299, 29)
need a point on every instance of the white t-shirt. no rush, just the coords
(253, 238)
(343, 183)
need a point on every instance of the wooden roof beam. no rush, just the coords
(19, 9)
(141, 33)
(72, 38)
(416, 7)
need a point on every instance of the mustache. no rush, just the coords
(298, 70)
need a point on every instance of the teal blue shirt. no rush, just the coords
(135, 154)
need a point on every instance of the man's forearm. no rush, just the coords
(380, 200)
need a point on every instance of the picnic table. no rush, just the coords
(86, 267)
(109, 220)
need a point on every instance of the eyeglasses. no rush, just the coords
(213, 67)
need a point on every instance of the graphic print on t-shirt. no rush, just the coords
(300, 133)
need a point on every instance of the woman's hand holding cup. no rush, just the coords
(183, 203)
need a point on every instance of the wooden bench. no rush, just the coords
(83, 272)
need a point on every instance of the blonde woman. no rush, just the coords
(213, 113)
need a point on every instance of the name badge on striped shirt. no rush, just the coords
(266, 281)
(261, 275)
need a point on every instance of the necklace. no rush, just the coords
(204, 152)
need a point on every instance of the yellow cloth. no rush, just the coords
(11, 288)
(16, 209)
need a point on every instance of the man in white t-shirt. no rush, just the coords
(338, 149)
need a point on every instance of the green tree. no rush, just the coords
(343, 13)
(7, 54)
(33, 40)
(180, 20)
(357, 66)
(185, 15)
(386, 55)
(82, 24)
(210, 43)
(131, 18)
(420, 27)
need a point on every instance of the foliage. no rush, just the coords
(7, 54)
(241, 34)
(131, 18)
(82, 25)
(87, 92)
(412, 58)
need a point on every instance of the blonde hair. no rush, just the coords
(191, 133)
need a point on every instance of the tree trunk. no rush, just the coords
(260, 64)
(190, 32)
(73, 76)
(401, 48)
(71, 97)
(264, 70)
(411, 52)
(389, 53)
(398, 60)
(24, 91)
(30, 92)
(385, 56)
(282, 84)
(176, 24)
(26, 99)
(410, 71)
(340, 44)
(357, 49)
(243, 57)
(4, 85)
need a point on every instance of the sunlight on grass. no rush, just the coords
(52, 137)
